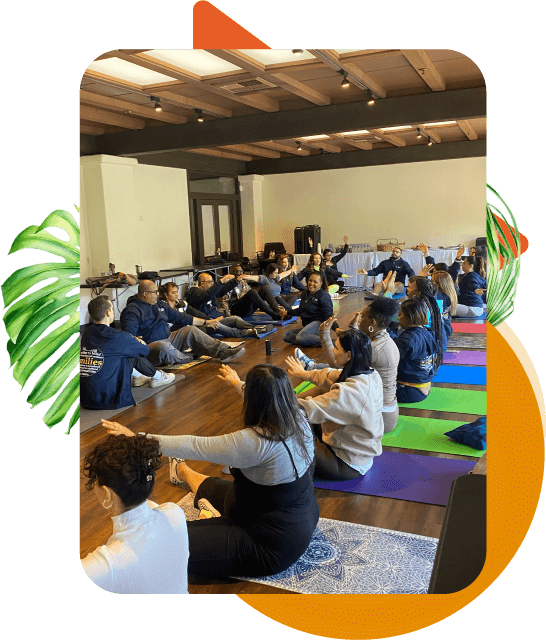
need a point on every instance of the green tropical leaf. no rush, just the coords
(502, 276)
(30, 317)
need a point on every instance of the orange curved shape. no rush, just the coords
(212, 29)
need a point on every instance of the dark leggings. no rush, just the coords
(251, 301)
(327, 464)
(409, 394)
(143, 366)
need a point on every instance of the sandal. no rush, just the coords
(173, 477)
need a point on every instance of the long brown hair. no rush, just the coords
(311, 264)
(444, 283)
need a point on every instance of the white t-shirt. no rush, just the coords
(147, 552)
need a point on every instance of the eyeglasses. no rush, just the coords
(156, 291)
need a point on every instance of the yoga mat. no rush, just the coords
(461, 375)
(467, 341)
(263, 318)
(372, 296)
(304, 386)
(343, 557)
(427, 434)
(482, 317)
(478, 358)
(455, 400)
(467, 327)
(259, 336)
(405, 477)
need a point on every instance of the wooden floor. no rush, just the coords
(201, 404)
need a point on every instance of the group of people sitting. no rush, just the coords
(262, 521)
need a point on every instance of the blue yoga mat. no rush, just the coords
(218, 336)
(265, 319)
(461, 375)
(406, 477)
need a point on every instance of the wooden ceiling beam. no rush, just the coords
(463, 104)
(191, 103)
(331, 58)
(111, 81)
(387, 137)
(92, 131)
(253, 150)
(239, 59)
(107, 117)
(96, 100)
(221, 154)
(278, 146)
(430, 133)
(298, 88)
(424, 66)
(359, 144)
(468, 129)
(319, 144)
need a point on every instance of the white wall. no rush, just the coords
(440, 202)
(133, 214)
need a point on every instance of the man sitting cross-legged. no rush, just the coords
(203, 298)
(107, 357)
(243, 300)
(145, 318)
(394, 263)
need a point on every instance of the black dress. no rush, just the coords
(266, 529)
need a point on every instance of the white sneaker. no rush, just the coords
(307, 363)
(140, 381)
(210, 512)
(166, 378)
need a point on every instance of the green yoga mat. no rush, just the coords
(304, 386)
(455, 400)
(427, 434)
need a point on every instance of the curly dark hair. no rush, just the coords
(383, 310)
(165, 288)
(125, 464)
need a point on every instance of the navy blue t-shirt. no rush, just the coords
(467, 285)
(105, 370)
(151, 321)
(316, 306)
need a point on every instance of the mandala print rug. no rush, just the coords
(352, 558)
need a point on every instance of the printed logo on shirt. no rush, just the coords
(91, 361)
(426, 364)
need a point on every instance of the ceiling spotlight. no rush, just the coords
(345, 82)
(321, 151)
(429, 143)
(199, 113)
(419, 134)
(157, 106)
(297, 52)
(371, 100)
(299, 145)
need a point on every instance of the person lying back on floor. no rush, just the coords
(269, 512)
(347, 419)
(145, 318)
(107, 358)
(148, 549)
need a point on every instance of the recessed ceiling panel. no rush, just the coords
(276, 56)
(123, 70)
(196, 61)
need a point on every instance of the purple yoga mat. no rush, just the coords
(466, 357)
(406, 477)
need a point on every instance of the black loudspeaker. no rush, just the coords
(300, 243)
(481, 242)
(311, 231)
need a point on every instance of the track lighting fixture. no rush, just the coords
(199, 113)
(156, 102)
(429, 143)
(299, 145)
(297, 52)
(345, 82)
(371, 100)
(419, 134)
(321, 151)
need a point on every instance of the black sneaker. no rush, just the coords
(264, 328)
(231, 353)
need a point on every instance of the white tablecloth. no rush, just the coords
(353, 261)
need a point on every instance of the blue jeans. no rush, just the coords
(404, 393)
(306, 337)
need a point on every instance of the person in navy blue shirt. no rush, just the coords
(394, 263)
(315, 307)
(290, 280)
(333, 274)
(420, 354)
(107, 358)
(472, 286)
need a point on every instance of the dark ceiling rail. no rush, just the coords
(195, 162)
(398, 155)
(462, 104)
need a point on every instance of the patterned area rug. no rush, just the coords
(352, 558)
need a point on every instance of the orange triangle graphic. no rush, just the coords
(212, 29)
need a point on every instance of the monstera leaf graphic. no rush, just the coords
(28, 319)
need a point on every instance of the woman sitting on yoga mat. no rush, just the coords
(315, 263)
(472, 285)
(269, 512)
(271, 286)
(315, 307)
(333, 275)
(347, 419)
(373, 320)
(148, 550)
(447, 293)
(425, 289)
(420, 354)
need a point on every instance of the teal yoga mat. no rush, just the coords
(427, 434)
(454, 400)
